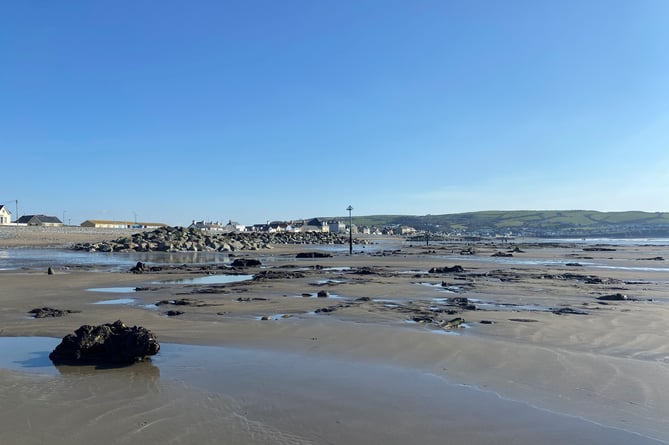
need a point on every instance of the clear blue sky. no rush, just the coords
(263, 110)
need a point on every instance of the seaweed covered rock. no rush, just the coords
(446, 269)
(46, 312)
(246, 262)
(106, 344)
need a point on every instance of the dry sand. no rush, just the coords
(362, 372)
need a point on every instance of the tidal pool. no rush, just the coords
(118, 290)
(208, 279)
(117, 301)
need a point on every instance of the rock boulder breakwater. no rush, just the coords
(180, 239)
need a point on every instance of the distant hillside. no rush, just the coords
(540, 222)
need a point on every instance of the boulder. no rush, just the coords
(455, 269)
(105, 344)
(246, 262)
(139, 268)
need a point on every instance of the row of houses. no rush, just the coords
(311, 225)
(53, 221)
(28, 220)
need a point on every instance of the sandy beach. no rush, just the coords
(540, 358)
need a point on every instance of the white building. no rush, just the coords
(5, 216)
(337, 226)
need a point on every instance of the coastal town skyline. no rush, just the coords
(277, 111)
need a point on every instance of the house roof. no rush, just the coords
(3, 207)
(26, 219)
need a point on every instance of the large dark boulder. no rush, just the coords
(106, 344)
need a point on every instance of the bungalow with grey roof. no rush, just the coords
(39, 220)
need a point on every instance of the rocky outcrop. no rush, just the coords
(446, 269)
(180, 239)
(264, 275)
(46, 312)
(616, 297)
(313, 255)
(106, 344)
(246, 262)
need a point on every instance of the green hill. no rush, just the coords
(544, 222)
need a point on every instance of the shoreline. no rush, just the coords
(601, 366)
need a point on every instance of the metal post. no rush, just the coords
(350, 230)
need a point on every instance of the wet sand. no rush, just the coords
(362, 371)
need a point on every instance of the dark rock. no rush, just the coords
(574, 265)
(460, 301)
(363, 299)
(616, 297)
(487, 322)
(46, 312)
(276, 275)
(139, 268)
(180, 302)
(422, 319)
(454, 323)
(246, 262)
(502, 254)
(110, 344)
(50, 271)
(313, 255)
(454, 269)
(323, 294)
(173, 313)
(569, 311)
(365, 271)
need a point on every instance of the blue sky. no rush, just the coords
(264, 110)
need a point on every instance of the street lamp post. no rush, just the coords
(350, 230)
